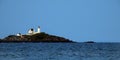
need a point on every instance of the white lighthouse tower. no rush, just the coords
(38, 31)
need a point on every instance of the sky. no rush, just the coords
(78, 20)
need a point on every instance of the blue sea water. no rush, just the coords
(59, 51)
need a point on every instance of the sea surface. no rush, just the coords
(59, 51)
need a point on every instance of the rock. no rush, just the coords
(40, 37)
(89, 42)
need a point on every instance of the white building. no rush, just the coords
(19, 34)
(31, 31)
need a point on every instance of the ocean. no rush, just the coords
(59, 51)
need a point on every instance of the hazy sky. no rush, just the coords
(78, 20)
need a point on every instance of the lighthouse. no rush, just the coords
(38, 30)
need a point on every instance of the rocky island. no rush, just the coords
(34, 36)
(39, 37)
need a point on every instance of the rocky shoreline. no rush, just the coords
(40, 37)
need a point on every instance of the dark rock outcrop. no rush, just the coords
(89, 42)
(40, 37)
